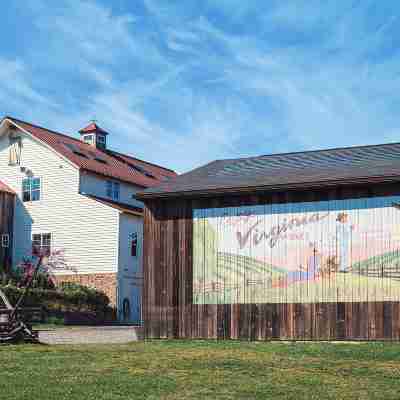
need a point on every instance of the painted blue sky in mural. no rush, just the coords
(184, 82)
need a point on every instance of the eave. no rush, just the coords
(235, 191)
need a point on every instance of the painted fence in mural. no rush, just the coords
(314, 252)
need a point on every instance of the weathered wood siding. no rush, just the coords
(7, 201)
(168, 306)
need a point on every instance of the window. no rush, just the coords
(88, 139)
(109, 186)
(41, 244)
(31, 189)
(101, 139)
(15, 151)
(5, 240)
(134, 244)
(112, 190)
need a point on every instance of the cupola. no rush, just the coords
(94, 135)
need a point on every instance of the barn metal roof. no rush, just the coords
(362, 164)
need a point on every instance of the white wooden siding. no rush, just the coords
(96, 185)
(130, 270)
(128, 264)
(87, 230)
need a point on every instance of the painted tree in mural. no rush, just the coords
(205, 245)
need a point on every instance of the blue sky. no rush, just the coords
(182, 83)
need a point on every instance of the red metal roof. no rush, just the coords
(126, 208)
(104, 162)
(160, 174)
(5, 188)
(92, 127)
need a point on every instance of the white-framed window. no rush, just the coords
(31, 189)
(101, 139)
(88, 139)
(112, 190)
(41, 244)
(5, 240)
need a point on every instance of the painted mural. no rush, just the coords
(328, 251)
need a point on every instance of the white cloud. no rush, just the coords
(179, 86)
(90, 30)
(15, 84)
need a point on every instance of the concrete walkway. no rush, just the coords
(91, 335)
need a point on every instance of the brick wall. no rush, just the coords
(104, 282)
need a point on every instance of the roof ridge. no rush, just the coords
(83, 143)
(46, 129)
(311, 151)
(116, 167)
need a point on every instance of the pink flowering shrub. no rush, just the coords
(67, 297)
(44, 278)
(24, 272)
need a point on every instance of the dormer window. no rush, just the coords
(88, 139)
(94, 135)
(101, 141)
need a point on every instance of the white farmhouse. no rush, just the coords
(79, 196)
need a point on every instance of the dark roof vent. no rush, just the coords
(100, 160)
(78, 153)
(75, 149)
(149, 175)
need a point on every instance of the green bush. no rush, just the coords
(66, 297)
(84, 296)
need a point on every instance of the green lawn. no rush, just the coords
(201, 370)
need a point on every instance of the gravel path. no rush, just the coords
(91, 335)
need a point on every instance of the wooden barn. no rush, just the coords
(7, 204)
(298, 246)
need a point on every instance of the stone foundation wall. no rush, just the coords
(106, 282)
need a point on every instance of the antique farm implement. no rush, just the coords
(13, 327)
